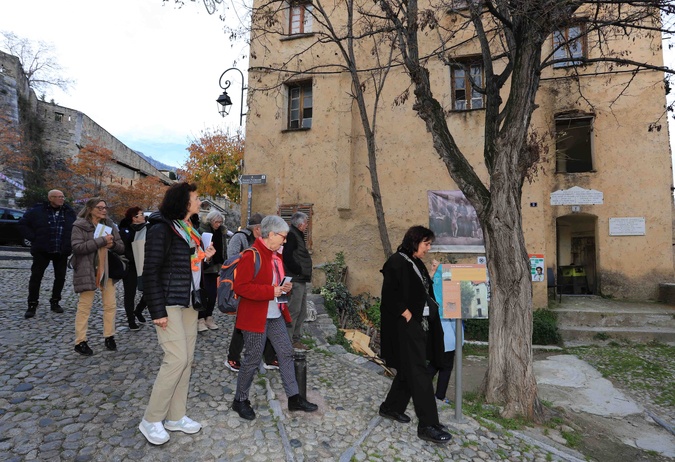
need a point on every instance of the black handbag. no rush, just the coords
(198, 298)
(118, 266)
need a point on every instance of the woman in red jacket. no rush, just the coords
(259, 317)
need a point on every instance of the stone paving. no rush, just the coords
(58, 405)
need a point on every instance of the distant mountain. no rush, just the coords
(155, 163)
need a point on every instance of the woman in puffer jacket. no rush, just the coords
(90, 265)
(174, 256)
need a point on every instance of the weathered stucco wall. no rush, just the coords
(327, 166)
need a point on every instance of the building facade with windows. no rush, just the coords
(598, 209)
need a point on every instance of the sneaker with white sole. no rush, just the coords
(185, 425)
(210, 323)
(154, 432)
(201, 326)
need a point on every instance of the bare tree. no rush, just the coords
(510, 37)
(38, 62)
(349, 30)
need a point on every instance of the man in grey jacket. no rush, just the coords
(298, 265)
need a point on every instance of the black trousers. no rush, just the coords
(443, 373)
(211, 288)
(130, 283)
(37, 271)
(412, 379)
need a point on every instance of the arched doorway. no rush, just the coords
(576, 253)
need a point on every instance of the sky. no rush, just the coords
(145, 71)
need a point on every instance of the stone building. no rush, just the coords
(598, 215)
(65, 130)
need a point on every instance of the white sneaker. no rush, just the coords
(154, 432)
(210, 324)
(185, 425)
(201, 326)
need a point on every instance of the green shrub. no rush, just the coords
(544, 328)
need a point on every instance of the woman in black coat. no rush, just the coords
(133, 222)
(411, 333)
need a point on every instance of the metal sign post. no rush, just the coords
(459, 340)
(250, 180)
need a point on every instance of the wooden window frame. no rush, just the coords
(286, 211)
(304, 9)
(466, 64)
(301, 120)
(563, 47)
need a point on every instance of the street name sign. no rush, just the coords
(253, 179)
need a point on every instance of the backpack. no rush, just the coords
(227, 300)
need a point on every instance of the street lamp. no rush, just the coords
(224, 101)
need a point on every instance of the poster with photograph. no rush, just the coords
(462, 291)
(537, 267)
(455, 223)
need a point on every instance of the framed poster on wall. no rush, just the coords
(455, 223)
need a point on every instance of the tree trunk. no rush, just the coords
(509, 379)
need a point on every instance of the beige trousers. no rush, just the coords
(84, 310)
(168, 399)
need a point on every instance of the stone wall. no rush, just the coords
(65, 131)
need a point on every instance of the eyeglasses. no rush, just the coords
(102, 207)
(282, 235)
(58, 197)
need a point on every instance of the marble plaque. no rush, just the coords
(576, 196)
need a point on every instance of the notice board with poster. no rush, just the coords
(462, 291)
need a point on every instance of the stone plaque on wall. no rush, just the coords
(576, 196)
(628, 226)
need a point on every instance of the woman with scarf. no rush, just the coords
(411, 335)
(174, 256)
(260, 316)
(90, 270)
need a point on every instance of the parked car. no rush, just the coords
(9, 227)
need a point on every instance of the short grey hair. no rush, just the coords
(273, 224)
(299, 218)
(214, 215)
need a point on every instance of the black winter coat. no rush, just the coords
(297, 261)
(167, 274)
(34, 226)
(402, 289)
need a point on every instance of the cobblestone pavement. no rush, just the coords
(58, 405)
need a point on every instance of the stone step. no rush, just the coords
(625, 318)
(579, 335)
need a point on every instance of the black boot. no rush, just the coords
(110, 343)
(434, 433)
(244, 409)
(56, 308)
(30, 312)
(298, 403)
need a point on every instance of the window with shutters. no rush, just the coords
(287, 211)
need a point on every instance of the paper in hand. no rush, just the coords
(102, 230)
(206, 239)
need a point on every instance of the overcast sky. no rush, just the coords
(145, 71)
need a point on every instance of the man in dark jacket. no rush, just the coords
(298, 265)
(48, 226)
